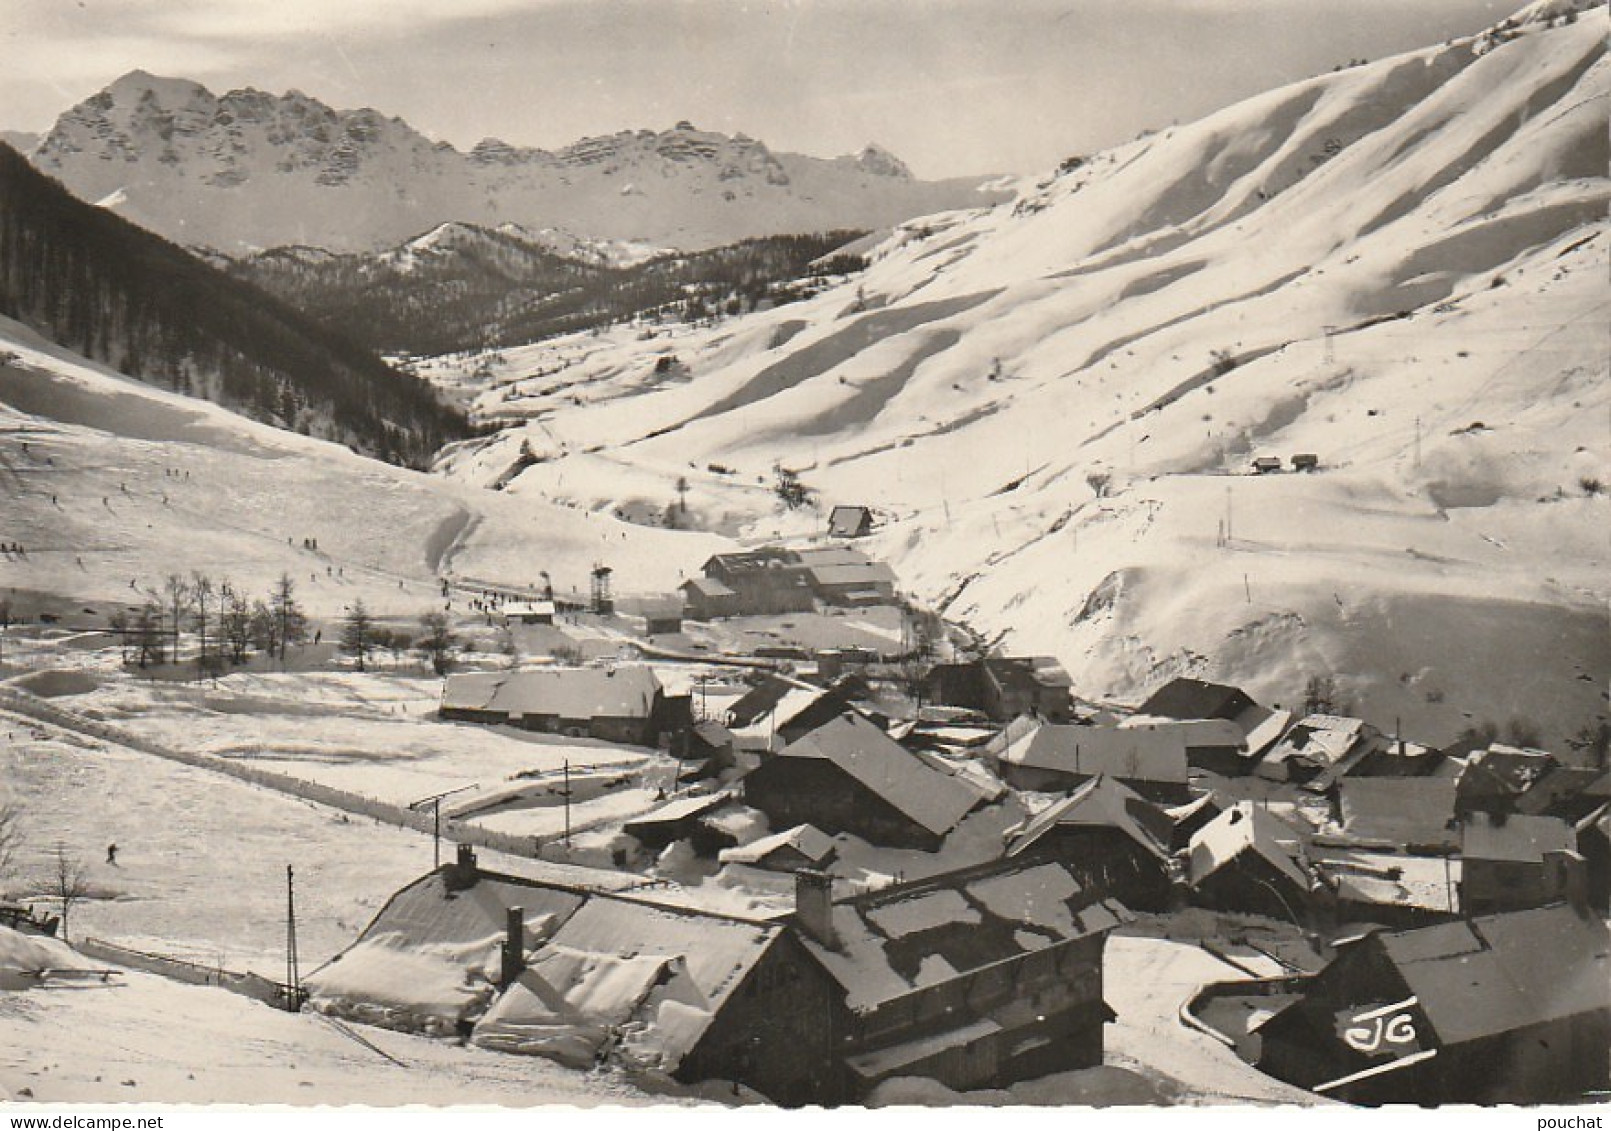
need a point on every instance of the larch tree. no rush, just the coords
(358, 632)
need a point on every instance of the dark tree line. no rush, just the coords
(101, 286)
(500, 290)
(229, 624)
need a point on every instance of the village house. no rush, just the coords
(563, 967)
(528, 612)
(1513, 862)
(1509, 779)
(1314, 745)
(1149, 759)
(1593, 835)
(1495, 778)
(683, 818)
(1416, 814)
(619, 704)
(850, 777)
(1395, 890)
(705, 598)
(709, 747)
(850, 522)
(1027, 685)
(1185, 699)
(1247, 860)
(1512, 1008)
(1004, 687)
(1110, 837)
(662, 616)
(976, 978)
(848, 578)
(763, 582)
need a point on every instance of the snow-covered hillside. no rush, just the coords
(253, 170)
(1399, 268)
(110, 482)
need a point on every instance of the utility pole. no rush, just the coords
(435, 802)
(293, 973)
(567, 795)
(1227, 514)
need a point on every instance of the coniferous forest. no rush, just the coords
(498, 290)
(91, 281)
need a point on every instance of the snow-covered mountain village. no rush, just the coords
(668, 620)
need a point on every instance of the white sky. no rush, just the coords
(951, 86)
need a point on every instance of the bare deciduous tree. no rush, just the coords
(69, 882)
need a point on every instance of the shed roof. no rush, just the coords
(1498, 973)
(680, 809)
(1139, 753)
(1102, 802)
(809, 841)
(927, 795)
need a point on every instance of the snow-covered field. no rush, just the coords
(143, 1039)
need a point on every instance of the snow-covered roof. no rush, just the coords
(680, 809)
(1138, 753)
(595, 958)
(1499, 973)
(900, 939)
(1245, 827)
(823, 556)
(1425, 883)
(1195, 732)
(809, 841)
(1518, 838)
(707, 587)
(627, 691)
(869, 575)
(528, 609)
(928, 796)
(709, 955)
(1401, 811)
(1102, 802)
(1319, 740)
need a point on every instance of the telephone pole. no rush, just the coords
(293, 973)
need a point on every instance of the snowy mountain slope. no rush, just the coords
(110, 482)
(251, 170)
(1398, 267)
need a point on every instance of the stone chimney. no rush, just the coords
(813, 906)
(461, 875)
(514, 947)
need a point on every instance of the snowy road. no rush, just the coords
(1146, 981)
